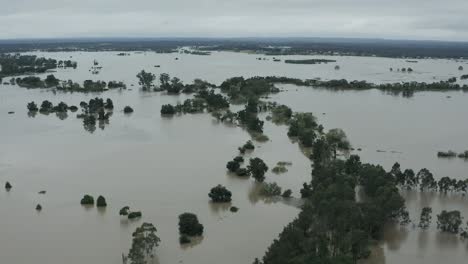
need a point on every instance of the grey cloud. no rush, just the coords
(413, 19)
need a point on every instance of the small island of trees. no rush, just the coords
(189, 226)
(219, 194)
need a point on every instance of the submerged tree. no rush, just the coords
(146, 79)
(220, 194)
(101, 201)
(449, 221)
(189, 225)
(144, 242)
(426, 217)
(257, 168)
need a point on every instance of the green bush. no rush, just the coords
(189, 225)
(87, 200)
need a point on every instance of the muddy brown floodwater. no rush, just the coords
(166, 166)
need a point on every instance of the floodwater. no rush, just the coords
(166, 166)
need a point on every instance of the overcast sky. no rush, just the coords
(398, 19)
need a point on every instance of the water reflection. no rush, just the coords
(194, 241)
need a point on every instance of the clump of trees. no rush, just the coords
(320, 229)
(426, 217)
(144, 243)
(101, 201)
(16, 64)
(38, 207)
(127, 110)
(270, 189)
(287, 193)
(133, 215)
(446, 154)
(168, 109)
(248, 146)
(240, 89)
(146, 79)
(281, 114)
(87, 200)
(8, 186)
(304, 127)
(449, 221)
(219, 194)
(189, 226)
(257, 168)
(248, 117)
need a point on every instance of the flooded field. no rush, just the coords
(166, 166)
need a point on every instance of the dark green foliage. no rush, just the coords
(426, 179)
(144, 242)
(233, 166)
(242, 172)
(239, 159)
(16, 64)
(445, 184)
(184, 239)
(332, 226)
(38, 207)
(213, 100)
(220, 194)
(449, 221)
(87, 200)
(50, 81)
(233, 209)
(247, 146)
(321, 152)
(309, 61)
(306, 190)
(124, 211)
(304, 127)
(133, 215)
(32, 107)
(287, 193)
(8, 186)
(189, 225)
(30, 82)
(270, 189)
(281, 114)
(128, 109)
(426, 217)
(46, 107)
(448, 154)
(101, 201)
(146, 79)
(257, 169)
(167, 109)
(239, 88)
(73, 108)
(91, 85)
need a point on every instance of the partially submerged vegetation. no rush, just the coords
(17, 64)
(189, 226)
(309, 61)
(68, 86)
(452, 154)
(219, 194)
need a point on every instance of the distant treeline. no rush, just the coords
(269, 46)
(342, 84)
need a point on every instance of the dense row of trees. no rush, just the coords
(16, 64)
(203, 101)
(52, 81)
(425, 180)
